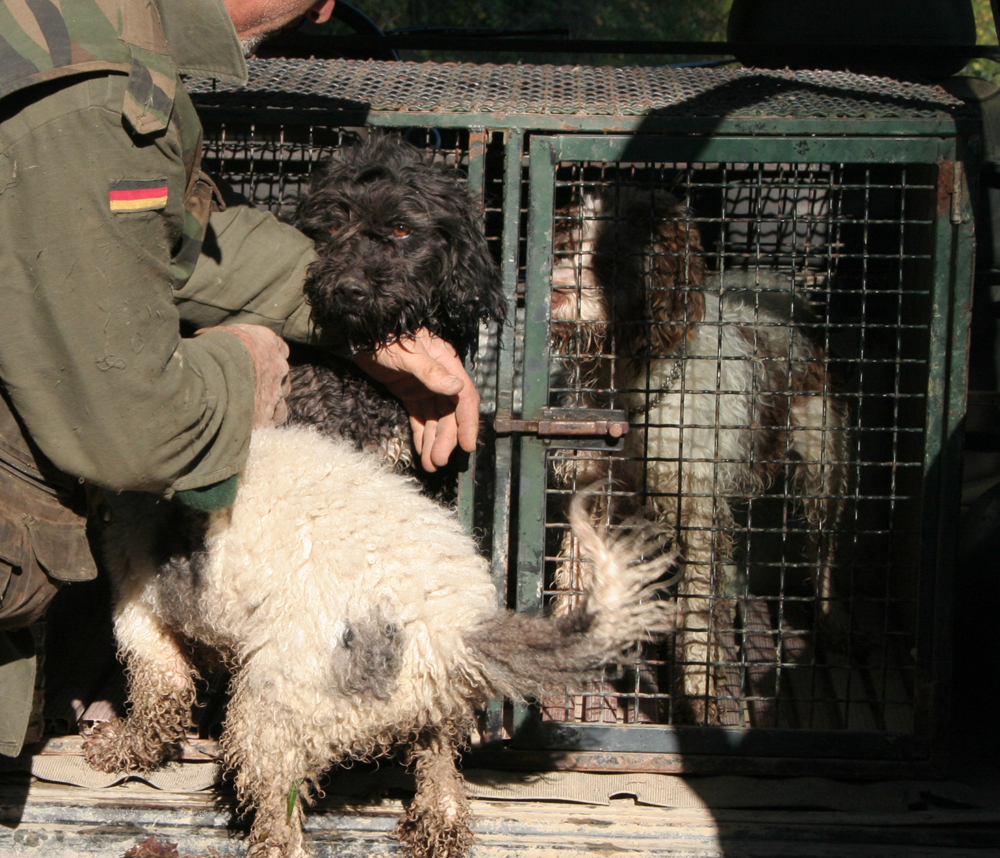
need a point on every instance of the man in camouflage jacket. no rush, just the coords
(112, 242)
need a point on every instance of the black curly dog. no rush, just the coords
(400, 247)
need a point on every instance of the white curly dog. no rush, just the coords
(356, 615)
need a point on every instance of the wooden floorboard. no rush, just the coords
(53, 820)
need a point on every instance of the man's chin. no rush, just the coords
(252, 43)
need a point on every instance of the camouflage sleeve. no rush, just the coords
(251, 269)
(91, 353)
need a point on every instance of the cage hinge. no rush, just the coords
(578, 427)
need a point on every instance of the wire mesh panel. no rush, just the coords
(271, 164)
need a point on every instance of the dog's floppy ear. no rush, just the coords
(315, 212)
(474, 273)
(666, 270)
(471, 290)
(678, 275)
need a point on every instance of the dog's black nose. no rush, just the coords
(351, 290)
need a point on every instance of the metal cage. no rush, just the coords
(739, 305)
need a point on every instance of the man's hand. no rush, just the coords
(426, 373)
(269, 354)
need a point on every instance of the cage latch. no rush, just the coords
(572, 427)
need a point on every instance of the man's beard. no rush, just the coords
(251, 43)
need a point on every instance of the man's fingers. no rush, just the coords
(466, 417)
(434, 377)
(417, 427)
(269, 355)
(445, 439)
(280, 413)
(427, 460)
(428, 375)
(430, 433)
(410, 359)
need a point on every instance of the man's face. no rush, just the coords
(254, 19)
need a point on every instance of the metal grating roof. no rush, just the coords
(576, 90)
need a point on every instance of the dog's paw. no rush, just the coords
(275, 850)
(285, 845)
(115, 746)
(276, 834)
(434, 833)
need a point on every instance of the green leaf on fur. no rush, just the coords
(293, 796)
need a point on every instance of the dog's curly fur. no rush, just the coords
(400, 247)
(725, 388)
(356, 615)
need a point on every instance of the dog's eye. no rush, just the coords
(334, 228)
(400, 230)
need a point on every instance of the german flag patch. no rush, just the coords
(129, 196)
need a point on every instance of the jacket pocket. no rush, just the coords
(40, 532)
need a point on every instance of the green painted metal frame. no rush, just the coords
(765, 127)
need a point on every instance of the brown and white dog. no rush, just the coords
(726, 390)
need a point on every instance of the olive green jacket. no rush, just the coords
(99, 210)
(111, 243)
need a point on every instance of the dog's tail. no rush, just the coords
(527, 655)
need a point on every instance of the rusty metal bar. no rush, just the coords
(565, 421)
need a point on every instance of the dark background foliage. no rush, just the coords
(623, 20)
(666, 20)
